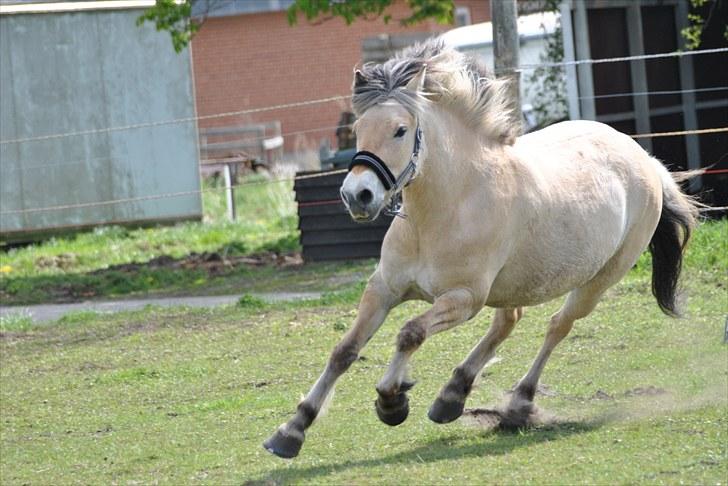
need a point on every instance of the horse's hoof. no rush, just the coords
(443, 412)
(395, 413)
(518, 418)
(283, 445)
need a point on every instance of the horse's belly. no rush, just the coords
(514, 287)
(548, 268)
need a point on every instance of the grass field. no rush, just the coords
(202, 258)
(180, 396)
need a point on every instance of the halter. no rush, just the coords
(371, 161)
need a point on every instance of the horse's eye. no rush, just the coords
(400, 132)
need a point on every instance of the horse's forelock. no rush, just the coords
(382, 82)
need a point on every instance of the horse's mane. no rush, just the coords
(452, 78)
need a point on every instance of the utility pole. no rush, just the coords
(504, 15)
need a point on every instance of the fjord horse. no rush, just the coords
(488, 219)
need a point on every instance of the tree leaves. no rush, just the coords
(442, 11)
(176, 16)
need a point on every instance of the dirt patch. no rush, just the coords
(214, 263)
(492, 418)
(648, 391)
(499, 418)
(640, 391)
(484, 418)
(62, 261)
(10, 336)
(602, 395)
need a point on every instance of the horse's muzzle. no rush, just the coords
(362, 197)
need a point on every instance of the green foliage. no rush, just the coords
(174, 17)
(440, 10)
(697, 23)
(549, 83)
(248, 301)
(348, 10)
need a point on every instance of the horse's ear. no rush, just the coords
(359, 78)
(417, 83)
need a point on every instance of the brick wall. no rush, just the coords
(257, 60)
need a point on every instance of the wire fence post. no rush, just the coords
(504, 14)
(229, 192)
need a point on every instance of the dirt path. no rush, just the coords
(52, 312)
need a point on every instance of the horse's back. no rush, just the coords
(580, 164)
(591, 187)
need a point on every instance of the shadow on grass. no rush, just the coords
(442, 449)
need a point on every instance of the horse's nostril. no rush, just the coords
(365, 197)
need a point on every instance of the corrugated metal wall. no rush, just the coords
(66, 72)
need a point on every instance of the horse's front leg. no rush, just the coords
(373, 309)
(448, 310)
(450, 403)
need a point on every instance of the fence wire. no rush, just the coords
(274, 181)
(329, 99)
(174, 121)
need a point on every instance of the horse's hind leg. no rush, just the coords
(520, 407)
(373, 308)
(448, 310)
(450, 402)
(579, 304)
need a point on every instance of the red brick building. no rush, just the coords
(256, 59)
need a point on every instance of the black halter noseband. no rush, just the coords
(379, 167)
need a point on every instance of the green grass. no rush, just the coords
(182, 396)
(266, 220)
(114, 262)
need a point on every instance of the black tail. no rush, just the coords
(677, 220)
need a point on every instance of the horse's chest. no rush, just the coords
(427, 281)
(417, 280)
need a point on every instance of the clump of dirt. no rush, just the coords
(62, 261)
(504, 418)
(484, 418)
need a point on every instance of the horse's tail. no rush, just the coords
(678, 218)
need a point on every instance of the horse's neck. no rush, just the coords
(433, 192)
(452, 168)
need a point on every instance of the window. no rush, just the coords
(462, 16)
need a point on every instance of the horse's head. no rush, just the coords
(388, 147)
